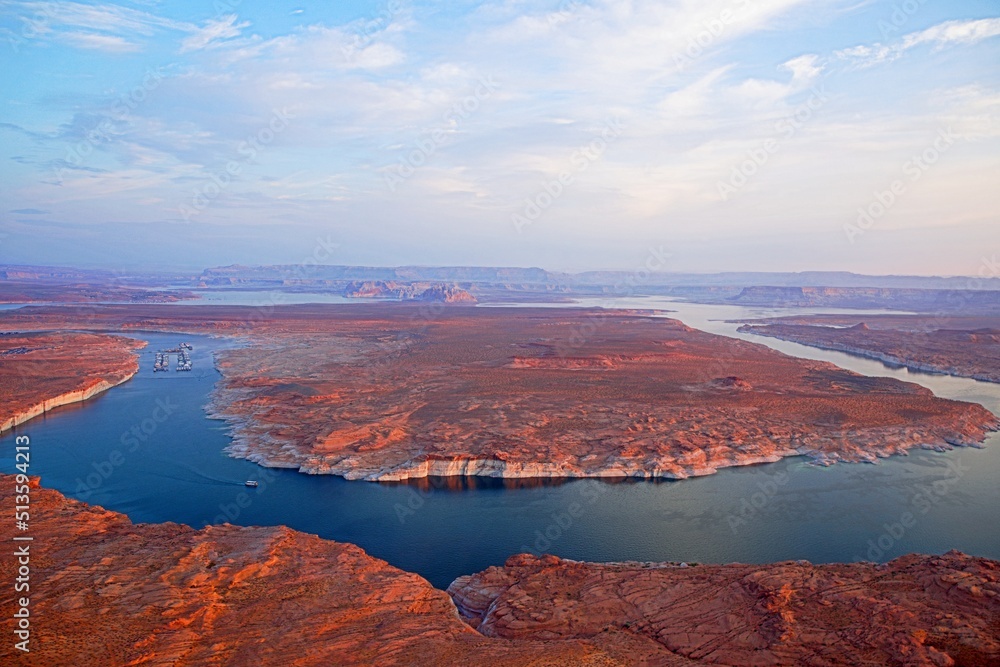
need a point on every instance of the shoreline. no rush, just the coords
(119, 366)
(208, 594)
(884, 357)
(67, 398)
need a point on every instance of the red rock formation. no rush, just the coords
(915, 610)
(39, 372)
(17, 289)
(382, 289)
(104, 591)
(965, 347)
(395, 391)
(523, 393)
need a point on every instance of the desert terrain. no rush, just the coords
(110, 592)
(960, 346)
(107, 591)
(393, 392)
(39, 372)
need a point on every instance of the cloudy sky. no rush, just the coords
(736, 134)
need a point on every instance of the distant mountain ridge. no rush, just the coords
(290, 274)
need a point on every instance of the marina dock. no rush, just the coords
(183, 352)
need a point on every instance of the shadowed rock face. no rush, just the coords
(39, 372)
(915, 610)
(105, 591)
(966, 347)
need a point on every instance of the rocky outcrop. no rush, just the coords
(40, 372)
(971, 353)
(105, 591)
(962, 301)
(915, 610)
(446, 294)
(381, 289)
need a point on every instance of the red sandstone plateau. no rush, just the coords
(961, 346)
(39, 372)
(105, 591)
(915, 610)
(391, 392)
(543, 394)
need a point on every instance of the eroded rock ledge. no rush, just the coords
(915, 610)
(39, 372)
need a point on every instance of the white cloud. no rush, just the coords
(90, 40)
(954, 32)
(804, 69)
(109, 18)
(949, 33)
(212, 32)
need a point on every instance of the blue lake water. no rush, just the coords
(259, 298)
(174, 470)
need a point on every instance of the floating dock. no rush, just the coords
(183, 352)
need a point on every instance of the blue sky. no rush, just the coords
(569, 134)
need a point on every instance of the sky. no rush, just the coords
(722, 135)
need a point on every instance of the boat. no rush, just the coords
(251, 482)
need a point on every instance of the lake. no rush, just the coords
(174, 470)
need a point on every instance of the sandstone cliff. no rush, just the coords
(39, 372)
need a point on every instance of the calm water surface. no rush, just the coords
(174, 470)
